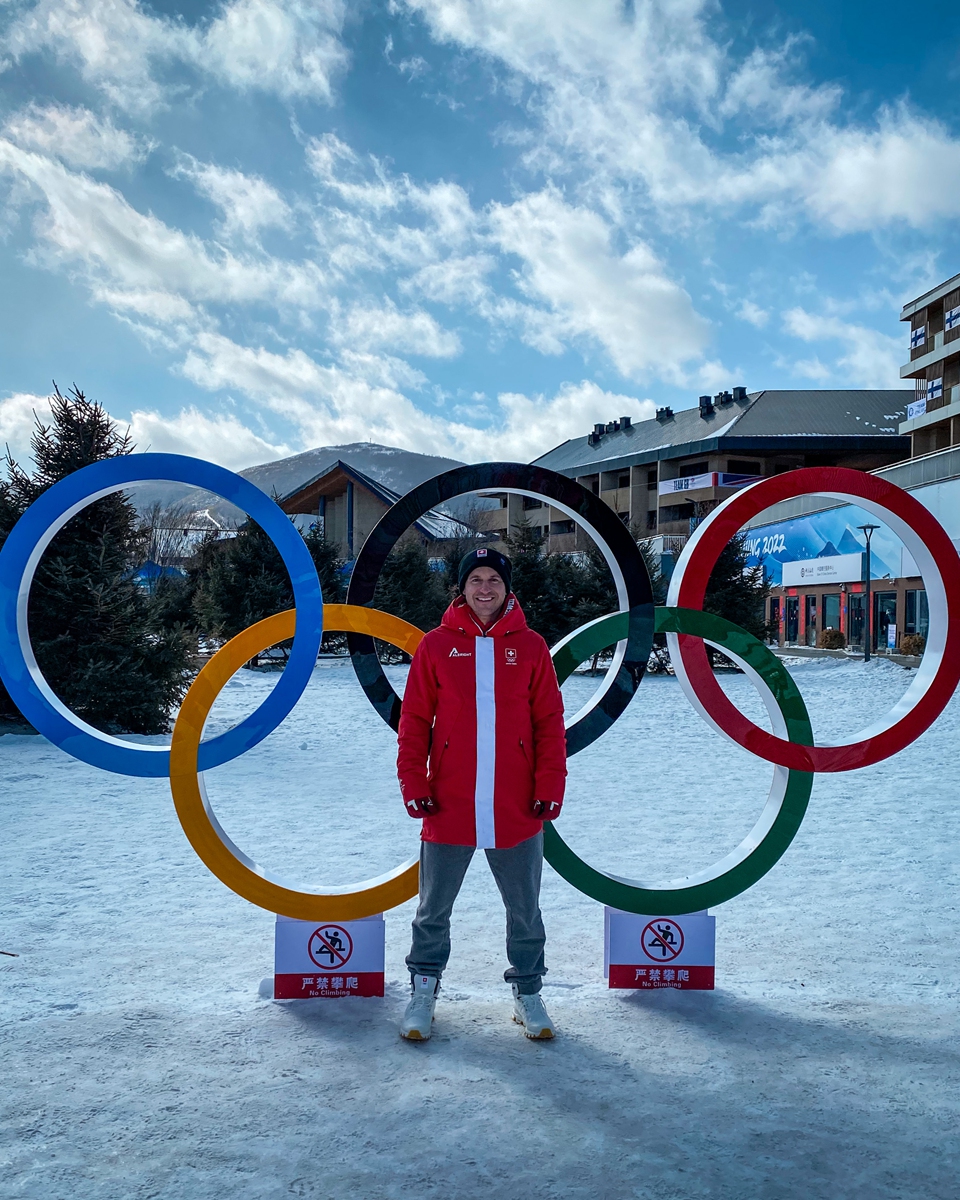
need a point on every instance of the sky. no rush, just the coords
(463, 227)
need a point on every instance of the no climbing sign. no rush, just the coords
(330, 961)
(659, 952)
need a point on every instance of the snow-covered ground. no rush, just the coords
(138, 1059)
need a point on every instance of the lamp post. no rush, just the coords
(867, 531)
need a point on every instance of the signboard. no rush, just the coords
(891, 637)
(687, 483)
(833, 533)
(838, 568)
(645, 952)
(335, 959)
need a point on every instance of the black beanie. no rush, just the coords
(485, 557)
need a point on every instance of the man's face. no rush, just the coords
(484, 592)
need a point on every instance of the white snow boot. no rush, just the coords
(529, 1011)
(417, 1023)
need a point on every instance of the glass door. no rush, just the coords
(884, 615)
(855, 619)
(831, 611)
(792, 630)
(810, 620)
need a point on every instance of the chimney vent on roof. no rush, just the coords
(593, 438)
(599, 429)
(626, 422)
(739, 393)
(706, 406)
(613, 427)
(665, 414)
(725, 398)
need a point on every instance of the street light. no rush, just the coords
(868, 534)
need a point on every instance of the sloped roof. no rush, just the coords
(433, 525)
(860, 420)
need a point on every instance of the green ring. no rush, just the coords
(758, 854)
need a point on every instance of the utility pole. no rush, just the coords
(868, 631)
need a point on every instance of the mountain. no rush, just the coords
(398, 469)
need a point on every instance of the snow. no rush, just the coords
(140, 1060)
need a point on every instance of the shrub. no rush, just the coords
(831, 639)
(912, 643)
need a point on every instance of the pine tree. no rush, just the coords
(737, 592)
(409, 588)
(241, 580)
(91, 624)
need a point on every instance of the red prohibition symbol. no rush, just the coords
(661, 940)
(330, 947)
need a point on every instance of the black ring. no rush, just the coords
(551, 486)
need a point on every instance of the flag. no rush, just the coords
(918, 337)
(916, 409)
(951, 319)
(935, 389)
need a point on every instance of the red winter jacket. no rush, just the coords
(481, 729)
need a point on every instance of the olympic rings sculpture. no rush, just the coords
(790, 748)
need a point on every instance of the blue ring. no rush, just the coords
(32, 533)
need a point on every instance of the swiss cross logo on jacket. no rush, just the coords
(511, 656)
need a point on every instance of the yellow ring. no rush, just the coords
(204, 832)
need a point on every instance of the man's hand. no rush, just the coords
(547, 810)
(418, 809)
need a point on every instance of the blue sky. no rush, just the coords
(466, 228)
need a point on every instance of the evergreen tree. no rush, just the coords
(240, 580)
(737, 592)
(409, 588)
(91, 625)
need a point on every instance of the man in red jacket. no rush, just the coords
(482, 762)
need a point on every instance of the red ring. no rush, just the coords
(935, 685)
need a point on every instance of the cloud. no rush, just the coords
(333, 404)
(91, 225)
(643, 96)
(291, 48)
(248, 203)
(17, 421)
(387, 328)
(871, 360)
(218, 437)
(626, 301)
(530, 425)
(753, 313)
(74, 135)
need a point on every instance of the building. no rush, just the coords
(813, 551)
(933, 417)
(663, 475)
(347, 504)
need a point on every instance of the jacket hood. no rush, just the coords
(460, 619)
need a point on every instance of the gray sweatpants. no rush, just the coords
(517, 873)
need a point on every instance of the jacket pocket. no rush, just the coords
(437, 751)
(527, 751)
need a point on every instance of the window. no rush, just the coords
(557, 527)
(652, 519)
(624, 481)
(742, 466)
(917, 618)
(529, 502)
(698, 468)
(774, 632)
(831, 611)
(651, 481)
